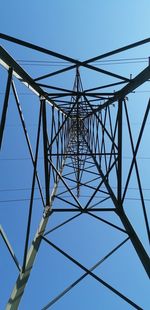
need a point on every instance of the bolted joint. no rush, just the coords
(47, 211)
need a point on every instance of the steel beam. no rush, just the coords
(5, 105)
(7, 61)
(9, 247)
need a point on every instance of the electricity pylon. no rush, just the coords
(82, 151)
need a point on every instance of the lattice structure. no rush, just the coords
(82, 140)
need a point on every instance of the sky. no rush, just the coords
(79, 29)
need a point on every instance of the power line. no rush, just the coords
(67, 196)
(53, 63)
(28, 158)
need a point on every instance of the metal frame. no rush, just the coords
(82, 135)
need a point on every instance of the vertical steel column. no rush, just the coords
(45, 147)
(77, 130)
(119, 172)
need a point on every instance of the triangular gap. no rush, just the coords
(59, 220)
(99, 198)
(109, 216)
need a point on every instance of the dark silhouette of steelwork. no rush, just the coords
(83, 136)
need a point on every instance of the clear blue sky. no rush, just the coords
(80, 29)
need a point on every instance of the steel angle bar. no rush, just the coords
(92, 274)
(83, 210)
(104, 86)
(117, 76)
(5, 105)
(75, 209)
(113, 134)
(7, 61)
(79, 93)
(32, 192)
(45, 147)
(8, 245)
(54, 73)
(119, 172)
(54, 87)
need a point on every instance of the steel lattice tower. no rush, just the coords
(81, 133)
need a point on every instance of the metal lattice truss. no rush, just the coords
(82, 138)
